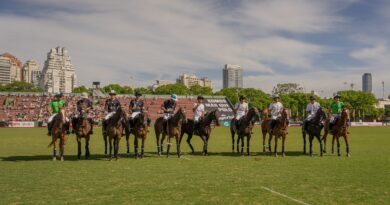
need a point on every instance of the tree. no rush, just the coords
(19, 86)
(200, 90)
(286, 88)
(360, 103)
(143, 90)
(118, 89)
(176, 88)
(80, 89)
(256, 98)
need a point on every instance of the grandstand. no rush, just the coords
(33, 106)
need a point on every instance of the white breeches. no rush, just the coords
(167, 116)
(196, 118)
(109, 115)
(53, 115)
(333, 118)
(134, 114)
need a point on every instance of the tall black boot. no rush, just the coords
(49, 126)
(67, 125)
(91, 122)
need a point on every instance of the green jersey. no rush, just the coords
(56, 106)
(336, 107)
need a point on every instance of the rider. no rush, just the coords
(240, 110)
(168, 107)
(311, 110)
(111, 105)
(136, 106)
(198, 109)
(85, 103)
(336, 107)
(54, 107)
(275, 108)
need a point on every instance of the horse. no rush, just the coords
(115, 127)
(280, 131)
(58, 131)
(265, 128)
(340, 129)
(314, 128)
(245, 130)
(140, 130)
(173, 130)
(82, 129)
(203, 131)
(248, 121)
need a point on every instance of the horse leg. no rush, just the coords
(105, 145)
(276, 146)
(78, 147)
(264, 137)
(283, 145)
(347, 144)
(232, 141)
(338, 146)
(136, 147)
(142, 147)
(54, 149)
(110, 147)
(128, 144)
(311, 144)
(207, 144)
(304, 142)
(333, 139)
(87, 147)
(178, 146)
(248, 139)
(242, 143)
(168, 145)
(238, 144)
(158, 143)
(62, 147)
(269, 142)
(116, 148)
(324, 139)
(161, 143)
(189, 143)
(321, 146)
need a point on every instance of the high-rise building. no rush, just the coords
(16, 67)
(31, 72)
(191, 80)
(5, 70)
(58, 74)
(232, 76)
(367, 82)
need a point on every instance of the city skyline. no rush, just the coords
(318, 44)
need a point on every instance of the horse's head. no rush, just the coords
(253, 115)
(320, 114)
(345, 114)
(213, 116)
(285, 117)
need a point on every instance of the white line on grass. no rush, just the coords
(285, 196)
(185, 158)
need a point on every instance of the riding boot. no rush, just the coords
(148, 121)
(74, 123)
(49, 126)
(238, 126)
(165, 122)
(104, 126)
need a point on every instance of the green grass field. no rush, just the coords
(29, 176)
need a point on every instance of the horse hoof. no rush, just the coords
(284, 154)
(276, 155)
(62, 159)
(54, 159)
(348, 155)
(339, 155)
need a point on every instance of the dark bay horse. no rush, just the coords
(58, 131)
(139, 129)
(340, 129)
(313, 129)
(82, 129)
(203, 131)
(115, 127)
(280, 131)
(245, 130)
(265, 128)
(173, 130)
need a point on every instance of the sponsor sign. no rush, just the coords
(225, 109)
(22, 124)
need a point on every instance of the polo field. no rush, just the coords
(30, 176)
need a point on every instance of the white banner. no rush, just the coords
(21, 124)
(366, 124)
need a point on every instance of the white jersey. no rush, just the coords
(199, 110)
(275, 109)
(312, 109)
(241, 110)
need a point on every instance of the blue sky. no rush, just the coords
(319, 44)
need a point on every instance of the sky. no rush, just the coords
(318, 44)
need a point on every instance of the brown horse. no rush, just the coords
(203, 131)
(140, 131)
(314, 128)
(115, 127)
(58, 131)
(340, 129)
(280, 131)
(245, 130)
(82, 129)
(173, 129)
(265, 128)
